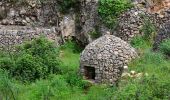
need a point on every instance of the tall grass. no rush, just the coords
(69, 85)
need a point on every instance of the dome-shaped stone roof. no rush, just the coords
(106, 56)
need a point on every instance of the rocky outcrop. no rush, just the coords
(89, 21)
(29, 12)
(107, 55)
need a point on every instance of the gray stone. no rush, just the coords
(109, 64)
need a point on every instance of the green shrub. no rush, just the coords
(73, 79)
(8, 90)
(148, 30)
(94, 34)
(65, 5)
(6, 63)
(165, 47)
(110, 9)
(28, 68)
(33, 60)
(139, 43)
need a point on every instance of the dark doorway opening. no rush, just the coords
(89, 72)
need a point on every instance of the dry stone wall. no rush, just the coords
(163, 34)
(132, 21)
(13, 35)
(19, 23)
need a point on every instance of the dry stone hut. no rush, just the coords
(102, 61)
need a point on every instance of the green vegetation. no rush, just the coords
(165, 47)
(109, 10)
(65, 5)
(69, 85)
(32, 60)
(95, 34)
(148, 30)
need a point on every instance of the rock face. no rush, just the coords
(103, 60)
(32, 12)
(89, 20)
(163, 34)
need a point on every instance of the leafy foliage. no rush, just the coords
(33, 60)
(94, 34)
(65, 5)
(165, 47)
(148, 29)
(110, 9)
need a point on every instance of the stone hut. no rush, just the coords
(103, 60)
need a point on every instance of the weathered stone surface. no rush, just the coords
(108, 55)
(13, 35)
(163, 34)
(89, 21)
(132, 20)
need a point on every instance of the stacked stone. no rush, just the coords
(131, 22)
(13, 35)
(163, 34)
(32, 13)
(108, 55)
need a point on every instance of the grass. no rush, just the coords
(70, 86)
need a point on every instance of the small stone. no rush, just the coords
(23, 11)
(132, 72)
(27, 19)
(125, 75)
(24, 21)
(11, 13)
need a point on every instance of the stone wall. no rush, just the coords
(163, 34)
(13, 35)
(131, 22)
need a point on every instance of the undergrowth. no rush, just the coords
(69, 85)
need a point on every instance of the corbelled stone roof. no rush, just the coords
(108, 54)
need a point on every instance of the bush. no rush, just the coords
(65, 5)
(6, 63)
(110, 9)
(139, 43)
(94, 34)
(165, 47)
(33, 60)
(148, 30)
